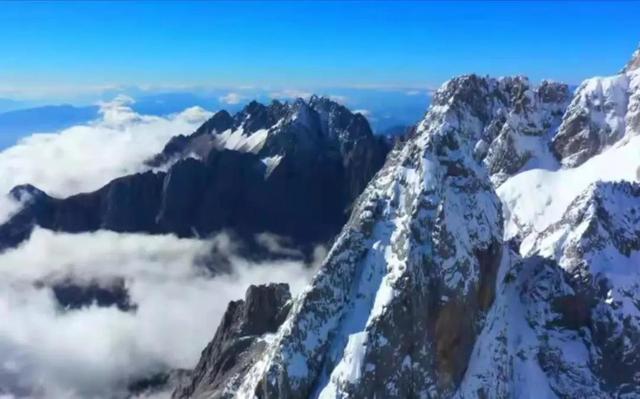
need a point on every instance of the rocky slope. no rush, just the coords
(242, 335)
(288, 169)
(424, 294)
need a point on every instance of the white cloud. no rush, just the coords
(231, 98)
(338, 98)
(88, 352)
(290, 93)
(85, 157)
(363, 112)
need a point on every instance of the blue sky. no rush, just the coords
(82, 46)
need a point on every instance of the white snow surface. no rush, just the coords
(239, 141)
(535, 199)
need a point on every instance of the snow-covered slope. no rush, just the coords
(597, 141)
(537, 198)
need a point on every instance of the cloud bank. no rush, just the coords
(47, 351)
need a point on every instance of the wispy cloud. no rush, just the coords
(231, 98)
(85, 157)
(339, 98)
(290, 93)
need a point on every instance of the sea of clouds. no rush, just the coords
(94, 352)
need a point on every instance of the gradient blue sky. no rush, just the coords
(78, 46)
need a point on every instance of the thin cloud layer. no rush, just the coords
(93, 351)
(232, 98)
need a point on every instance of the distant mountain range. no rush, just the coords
(291, 169)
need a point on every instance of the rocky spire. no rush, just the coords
(634, 62)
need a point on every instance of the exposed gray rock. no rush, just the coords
(238, 342)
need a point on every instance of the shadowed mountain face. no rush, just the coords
(288, 169)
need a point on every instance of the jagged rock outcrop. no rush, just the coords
(158, 385)
(604, 111)
(239, 340)
(519, 138)
(288, 169)
(567, 319)
(634, 62)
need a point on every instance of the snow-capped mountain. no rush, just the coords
(288, 169)
(460, 274)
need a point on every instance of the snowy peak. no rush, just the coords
(507, 121)
(274, 130)
(634, 62)
(256, 116)
(604, 112)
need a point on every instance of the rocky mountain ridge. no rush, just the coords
(421, 294)
(287, 169)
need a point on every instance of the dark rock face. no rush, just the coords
(75, 295)
(238, 341)
(156, 384)
(315, 159)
